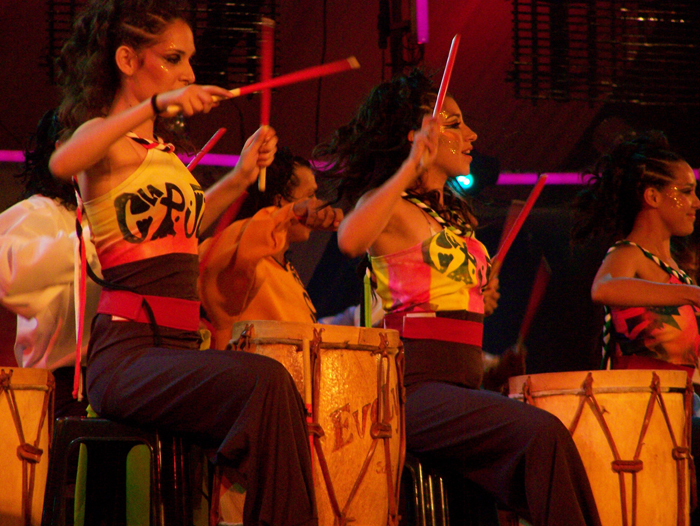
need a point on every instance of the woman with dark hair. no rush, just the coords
(641, 195)
(126, 66)
(433, 278)
(37, 268)
(246, 275)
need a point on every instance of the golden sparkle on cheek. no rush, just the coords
(451, 144)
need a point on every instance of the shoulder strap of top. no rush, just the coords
(149, 144)
(456, 225)
(680, 275)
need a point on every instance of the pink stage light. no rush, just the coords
(422, 21)
(219, 159)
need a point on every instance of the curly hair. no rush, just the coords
(613, 197)
(35, 176)
(281, 181)
(88, 74)
(367, 151)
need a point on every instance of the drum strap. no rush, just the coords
(29, 454)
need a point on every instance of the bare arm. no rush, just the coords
(621, 282)
(91, 142)
(373, 212)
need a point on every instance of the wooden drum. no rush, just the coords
(351, 380)
(26, 409)
(632, 429)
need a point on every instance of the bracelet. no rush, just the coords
(155, 106)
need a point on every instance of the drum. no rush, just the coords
(352, 381)
(26, 406)
(632, 429)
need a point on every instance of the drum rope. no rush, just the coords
(29, 454)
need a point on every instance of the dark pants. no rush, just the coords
(522, 455)
(246, 405)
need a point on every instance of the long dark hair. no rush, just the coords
(35, 176)
(88, 74)
(613, 196)
(367, 151)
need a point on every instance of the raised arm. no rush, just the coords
(618, 283)
(373, 212)
(91, 142)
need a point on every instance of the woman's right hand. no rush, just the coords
(190, 100)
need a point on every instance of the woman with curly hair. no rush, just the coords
(126, 66)
(432, 275)
(246, 275)
(641, 195)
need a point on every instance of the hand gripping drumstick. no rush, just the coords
(302, 75)
(267, 49)
(205, 149)
(497, 260)
(444, 83)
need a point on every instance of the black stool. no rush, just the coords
(427, 489)
(108, 444)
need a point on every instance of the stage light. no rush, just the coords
(465, 181)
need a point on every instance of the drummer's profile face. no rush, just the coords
(165, 65)
(455, 141)
(680, 201)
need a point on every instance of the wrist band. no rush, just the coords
(154, 105)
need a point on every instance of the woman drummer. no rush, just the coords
(394, 160)
(642, 194)
(125, 67)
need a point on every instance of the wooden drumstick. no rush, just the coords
(302, 75)
(446, 74)
(206, 148)
(497, 260)
(267, 50)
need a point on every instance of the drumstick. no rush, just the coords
(544, 272)
(444, 83)
(446, 76)
(497, 260)
(205, 149)
(302, 75)
(267, 50)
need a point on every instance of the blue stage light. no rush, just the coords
(466, 181)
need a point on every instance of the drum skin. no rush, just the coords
(656, 454)
(357, 407)
(32, 392)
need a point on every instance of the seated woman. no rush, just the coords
(245, 274)
(643, 194)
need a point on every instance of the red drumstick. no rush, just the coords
(205, 150)
(443, 85)
(534, 194)
(267, 50)
(446, 76)
(538, 288)
(311, 73)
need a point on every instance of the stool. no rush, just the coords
(108, 444)
(425, 488)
